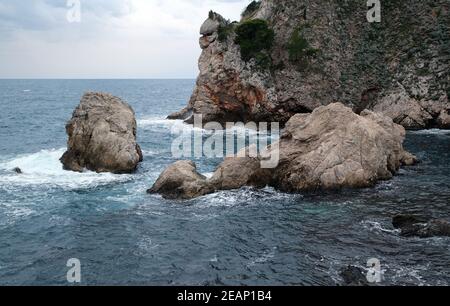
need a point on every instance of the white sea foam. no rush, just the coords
(179, 126)
(208, 174)
(266, 256)
(431, 132)
(377, 227)
(44, 168)
(176, 126)
(245, 195)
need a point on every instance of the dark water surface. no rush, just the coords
(124, 236)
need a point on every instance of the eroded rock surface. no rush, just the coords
(334, 148)
(102, 136)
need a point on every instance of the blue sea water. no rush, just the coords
(121, 235)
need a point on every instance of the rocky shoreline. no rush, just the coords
(331, 148)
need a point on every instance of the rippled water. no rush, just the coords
(251, 237)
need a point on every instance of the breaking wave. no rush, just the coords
(44, 168)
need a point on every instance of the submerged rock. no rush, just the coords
(102, 136)
(329, 149)
(354, 276)
(422, 227)
(17, 170)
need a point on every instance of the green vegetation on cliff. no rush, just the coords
(224, 31)
(255, 39)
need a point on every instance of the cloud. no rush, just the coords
(115, 38)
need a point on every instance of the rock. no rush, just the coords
(17, 170)
(386, 71)
(402, 221)
(422, 227)
(329, 149)
(354, 276)
(333, 148)
(235, 173)
(444, 119)
(408, 159)
(212, 24)
(181, 181)
(102, 136)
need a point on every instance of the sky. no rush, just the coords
(113, 38)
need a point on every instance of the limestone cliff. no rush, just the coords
(322, 52)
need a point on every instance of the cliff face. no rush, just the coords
(323, 52)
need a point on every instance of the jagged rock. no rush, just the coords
(102, 136)
(354, 276)
(331, 148)
(365, 66)
(17, 170)
(422, 227)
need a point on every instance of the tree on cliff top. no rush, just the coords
(254, 37)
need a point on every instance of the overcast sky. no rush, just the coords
(115, 38)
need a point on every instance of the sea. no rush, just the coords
(121, 235)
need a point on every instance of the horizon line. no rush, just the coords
(97, 78)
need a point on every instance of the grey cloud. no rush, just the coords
(45, 14)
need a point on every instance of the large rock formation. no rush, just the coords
(329, 149)
(334, 147)
(326, 51)
(102, 136)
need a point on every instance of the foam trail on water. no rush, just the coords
(178, 127)
(431, 132)
(44, 168)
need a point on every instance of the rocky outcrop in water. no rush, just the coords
(322, 52)
(422, 227)
(181, 181)
(333, 147)
(354, 276)
(102, 136)
(18, 170)
(329, 149)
